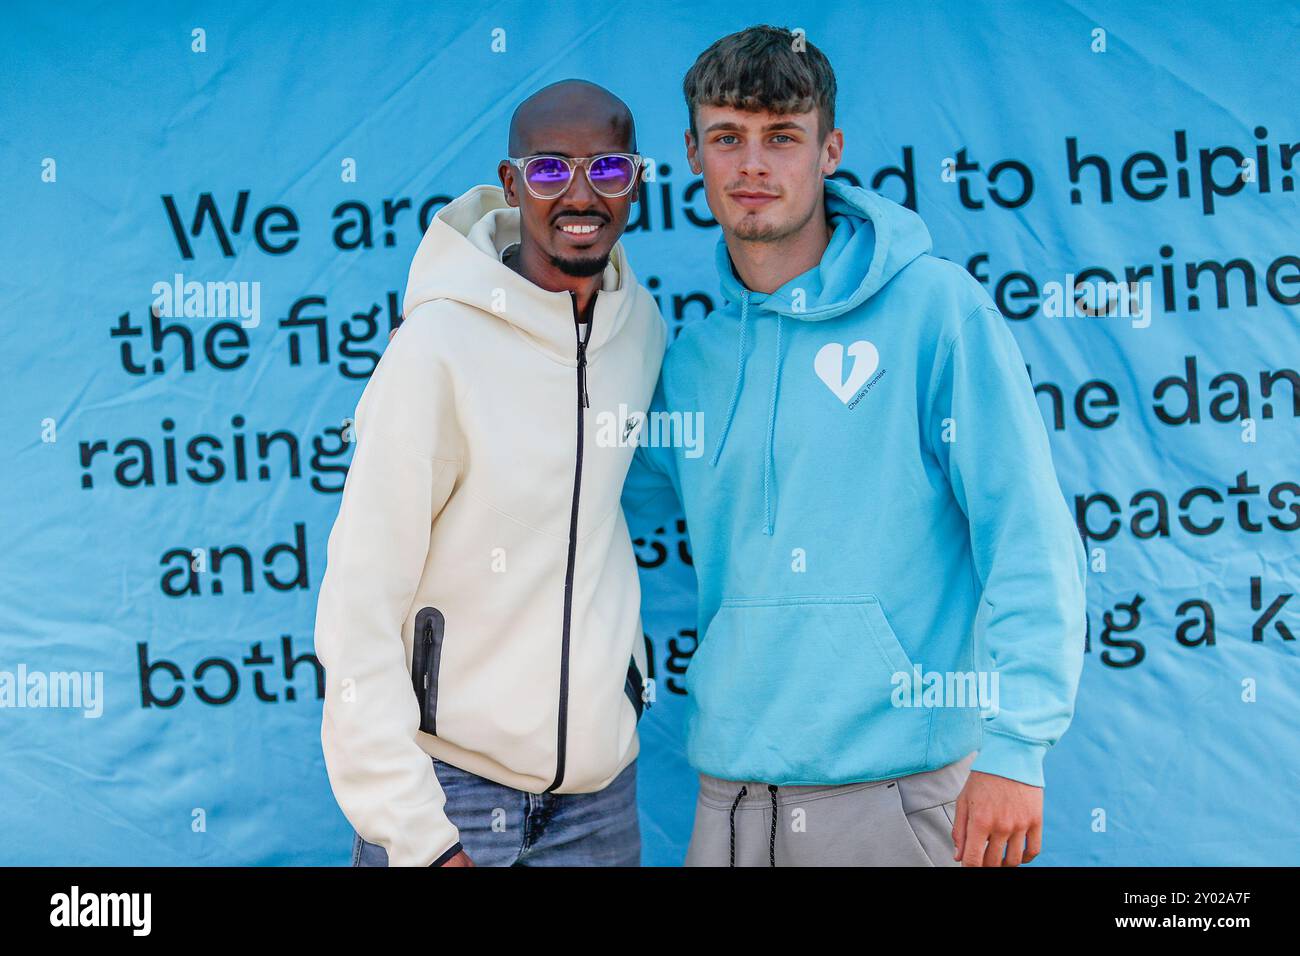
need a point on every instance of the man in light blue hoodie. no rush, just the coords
(891, 589)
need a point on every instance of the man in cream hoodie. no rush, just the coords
(479, 616)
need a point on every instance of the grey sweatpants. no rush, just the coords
(906, 821)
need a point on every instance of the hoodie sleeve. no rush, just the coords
(989, 437)
(403, 467)
(650, 490)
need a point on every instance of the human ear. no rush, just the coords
(693, 154)
(506, 173)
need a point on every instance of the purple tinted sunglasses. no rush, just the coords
(548, 176)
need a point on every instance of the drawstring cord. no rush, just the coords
(740, 795)
(769, 462)
(740, 375)
(771, 843)
(769, 457)
(771, 846)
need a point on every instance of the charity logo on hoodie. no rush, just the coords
(480, 602)
(875, 502)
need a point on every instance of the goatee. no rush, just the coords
(581, 267)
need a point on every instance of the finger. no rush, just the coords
(977, 835)
(959, 828)
(996, 850)
(1015, 849)
(1034, 839)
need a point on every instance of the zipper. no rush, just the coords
(583, 402)
(424, 672)
(635, 688)
(428, 647)
(582, 371)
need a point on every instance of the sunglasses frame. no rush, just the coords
(521, 162)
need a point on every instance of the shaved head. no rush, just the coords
(565, 241)
(566, 104)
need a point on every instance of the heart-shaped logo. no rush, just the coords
(829, 366)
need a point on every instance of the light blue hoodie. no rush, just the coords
(873, 463)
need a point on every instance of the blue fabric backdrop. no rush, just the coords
(1039, 140)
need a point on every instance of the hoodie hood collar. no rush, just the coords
(872, 239)
(459, 258)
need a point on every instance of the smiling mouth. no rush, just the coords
(580, 231)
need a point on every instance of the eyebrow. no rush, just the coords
(731, 125)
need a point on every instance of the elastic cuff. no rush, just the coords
(1011, 757)
(452, 851)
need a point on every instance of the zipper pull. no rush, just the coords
(582, 349)
(582, 373)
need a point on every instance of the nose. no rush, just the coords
(753, 162)
(580, 192)
(579, 199)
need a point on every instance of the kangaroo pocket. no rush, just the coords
(800, 690)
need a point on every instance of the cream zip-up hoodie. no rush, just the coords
(480, 582)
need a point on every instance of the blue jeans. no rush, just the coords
(502, 826)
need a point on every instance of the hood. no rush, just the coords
(459, 259)
(872, 240)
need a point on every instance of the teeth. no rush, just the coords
(579, 230)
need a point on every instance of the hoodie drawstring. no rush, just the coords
(740, 375)
(771, 846)
(739, 796)
(771, 843)
(769, 457)
(769, 461)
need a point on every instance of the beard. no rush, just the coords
(581, 267)
(753, 229)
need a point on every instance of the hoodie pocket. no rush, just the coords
(800, 690)
(425, 663)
